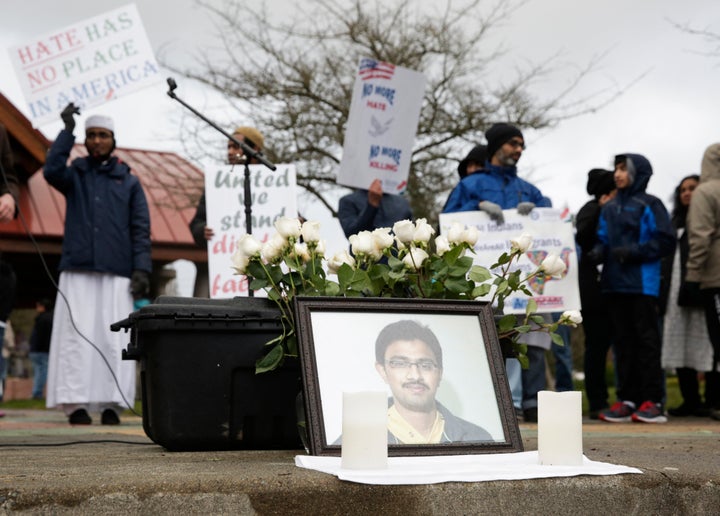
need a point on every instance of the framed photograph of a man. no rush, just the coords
(438, 360)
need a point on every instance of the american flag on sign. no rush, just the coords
(373, 69)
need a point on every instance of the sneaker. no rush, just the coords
(649, 412)
(80, 417)
(620, 412)
(109, 417)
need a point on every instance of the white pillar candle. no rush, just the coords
(560, 428)
(364, 430)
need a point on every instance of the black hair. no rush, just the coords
(679, 212)
(406, 330)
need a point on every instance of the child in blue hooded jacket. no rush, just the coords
(634, 233)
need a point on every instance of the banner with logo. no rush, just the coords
(273, 196)
(88, 63)
(382, 123)
(551, 232)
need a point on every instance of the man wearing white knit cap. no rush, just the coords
(105, 263)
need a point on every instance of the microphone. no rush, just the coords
(172, 85)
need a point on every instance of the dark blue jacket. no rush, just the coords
(500, 185)
(357, 214)
(634, 233)
(107, 223)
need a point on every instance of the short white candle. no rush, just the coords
(560, 428)
(364, 430)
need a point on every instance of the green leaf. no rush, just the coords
(481, 291)
(531, 306)
(557, 339)
(537, 319)
(506, 323)
(271, 360)
(479, 274)
(523, 328)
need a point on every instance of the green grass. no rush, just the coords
(40, 404)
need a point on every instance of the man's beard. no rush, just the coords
(506, 160)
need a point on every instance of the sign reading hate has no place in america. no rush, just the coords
(88, 63)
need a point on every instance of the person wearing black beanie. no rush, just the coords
(500, 134)
(499, 188)
(474, 161)
(600, 182)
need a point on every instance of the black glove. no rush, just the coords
(494, 210)
(67, 116)
(139, 284)
(621, 254)
(525, 208)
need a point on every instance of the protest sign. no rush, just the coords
(551, 234)
(88, 63)
(273, 196)
(383, 119)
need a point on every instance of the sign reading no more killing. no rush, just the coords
(88, 63)
(382, 123)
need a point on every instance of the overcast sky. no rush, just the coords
(670, 115)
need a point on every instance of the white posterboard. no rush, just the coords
(88, 63)
(273, 195)
(382, 123)
(551, 234)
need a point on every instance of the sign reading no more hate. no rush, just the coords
(382, 123)
(273, 195)
(88, 63)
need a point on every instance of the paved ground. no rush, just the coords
(48, 467)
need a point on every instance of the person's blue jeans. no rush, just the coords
(40, 368)
(513, 369)
(563, 361)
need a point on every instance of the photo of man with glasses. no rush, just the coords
(409, 359)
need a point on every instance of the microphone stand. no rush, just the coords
(248, 151)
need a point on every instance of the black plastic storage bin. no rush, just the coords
(197, 374)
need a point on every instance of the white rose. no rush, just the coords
(423, 231)
(404, 230)
(301, 252)
(442, 245)
(320, 248)
(571, 318)
(383, 238)
(522, 243)
(338, 259)
(310, 231)
(249, 245)
(272, 249)
(455, 233)
(362, 243)
(470, 236)
(240, 262)
(288, 227)
(415, 258)
(553, 265)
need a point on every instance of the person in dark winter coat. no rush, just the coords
(634, 234)
(105, 263)
(598, 335)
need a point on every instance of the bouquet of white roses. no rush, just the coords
(403, 261)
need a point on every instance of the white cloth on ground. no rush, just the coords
(458, 468)
(77, 373)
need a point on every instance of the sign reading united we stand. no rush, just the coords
(382, 123)
(273, 195)
(88, 63)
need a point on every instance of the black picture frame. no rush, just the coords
(336, 341)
